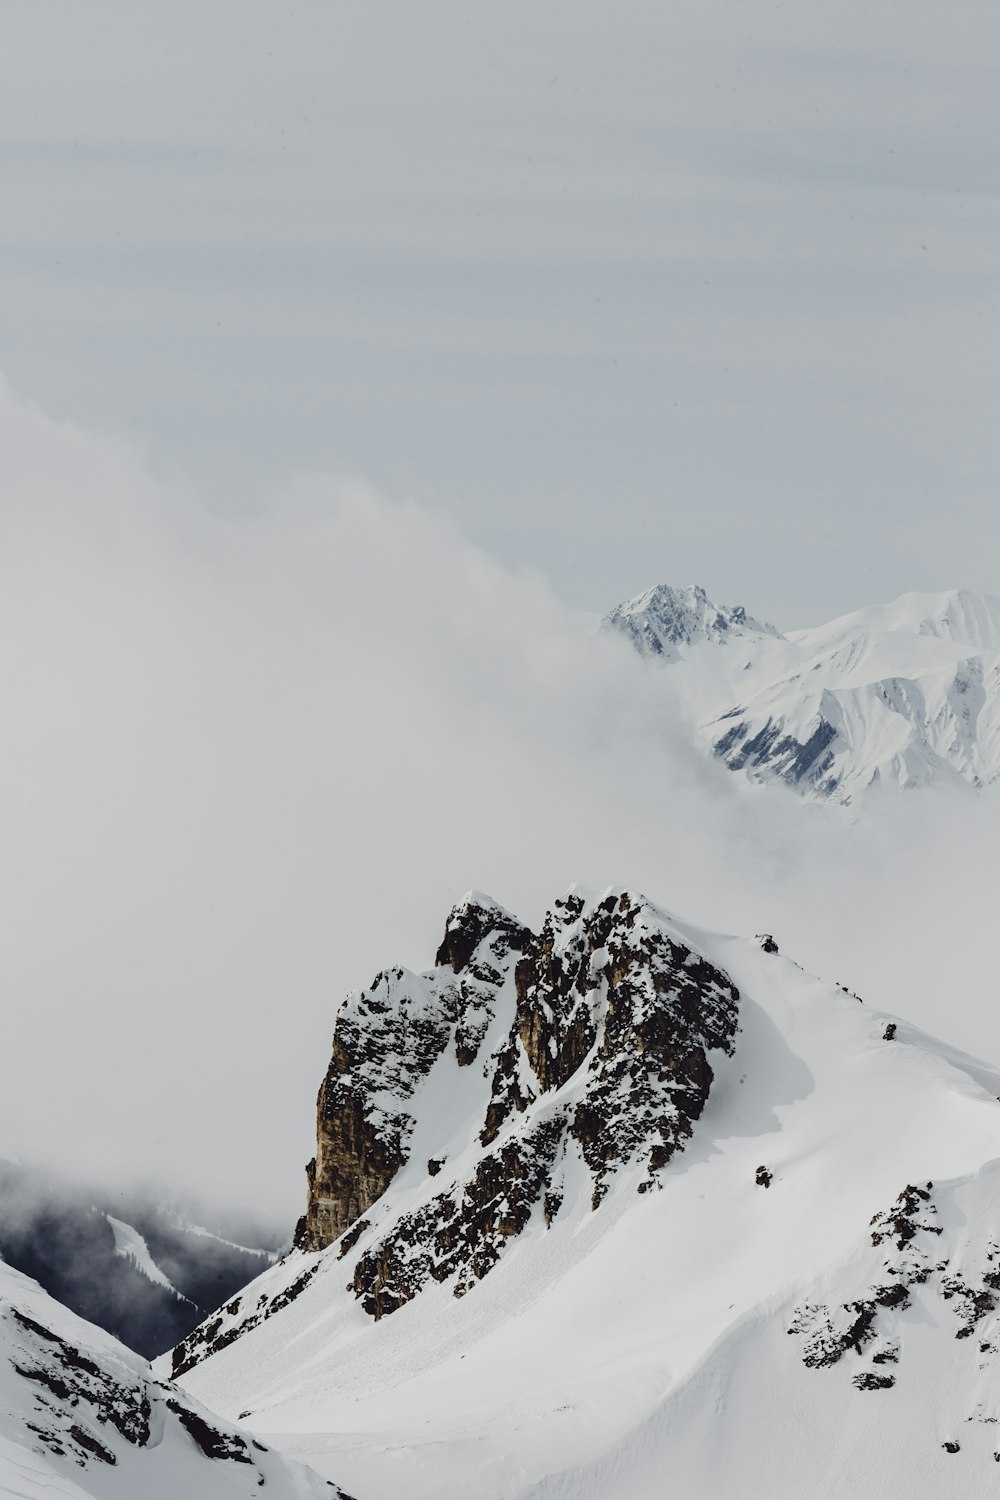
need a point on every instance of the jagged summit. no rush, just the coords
(905, 694)
(585, 1192)
(578, 1052)
(588, 1039)
(664, 620)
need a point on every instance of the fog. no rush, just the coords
(247, 762)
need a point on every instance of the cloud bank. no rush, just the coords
(246, 762)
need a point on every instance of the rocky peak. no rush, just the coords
(474, 923)
(520, 1060)
(663, 620)
(602, 1022)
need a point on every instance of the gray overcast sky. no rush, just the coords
(688, 291)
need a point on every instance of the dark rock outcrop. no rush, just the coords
(800, 762)
(905, 1233)
(385, 1042)
(607, 1008)
(585, 1045)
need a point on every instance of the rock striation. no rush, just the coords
(912, 1250)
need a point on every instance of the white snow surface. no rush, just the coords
(905, 694)
(170, 1467)
(130, 1245)
(643, 1348)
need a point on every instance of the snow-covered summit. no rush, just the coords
(664, 620)
(904, 694)
(959, 615)
(652, 1201)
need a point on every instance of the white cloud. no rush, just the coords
(246, 763)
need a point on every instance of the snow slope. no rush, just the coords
(81, 1416)
(802, 1298)
(906, 693)
(131, 1246)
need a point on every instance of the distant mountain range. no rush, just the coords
(904, 694)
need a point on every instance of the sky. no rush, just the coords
(701, 293)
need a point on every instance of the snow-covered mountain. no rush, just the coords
(906, 694)
(82, 1416)
(131, 1264)
(665, 622)
(622, 1201)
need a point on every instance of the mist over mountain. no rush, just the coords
(252, 759)
(241, 751)
(484, 1016)
(137, 1266)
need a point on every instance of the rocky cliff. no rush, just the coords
(457, 1100)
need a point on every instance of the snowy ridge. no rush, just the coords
(663, 621)
(80, 1415)
(815, 1265)
(905, 694)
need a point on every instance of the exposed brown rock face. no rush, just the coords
(613, 1011)
(386, 1041)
